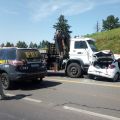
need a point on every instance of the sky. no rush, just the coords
(33, 20)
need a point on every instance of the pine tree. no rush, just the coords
(21, 44)
(62, 28)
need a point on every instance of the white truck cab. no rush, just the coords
(82, 48)
(80, 56)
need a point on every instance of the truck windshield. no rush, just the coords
(92, 45)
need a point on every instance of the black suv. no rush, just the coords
(19, 64)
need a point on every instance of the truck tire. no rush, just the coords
(6, 83)
(74, 70)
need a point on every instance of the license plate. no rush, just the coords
(34, 65)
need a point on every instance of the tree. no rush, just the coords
(62, 25)
(2, 45)
(8, 44)
(111, 22)
(21, 44)
(33, 45)
(40, 45)
(62, 30)
(43, 44)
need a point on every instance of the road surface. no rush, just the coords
(62, 98)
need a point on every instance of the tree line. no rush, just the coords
(22, 44)
(109, 23)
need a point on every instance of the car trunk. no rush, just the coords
(103, 63)
(103, 60)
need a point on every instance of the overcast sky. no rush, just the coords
(33, 20)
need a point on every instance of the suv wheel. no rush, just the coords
(6, 83)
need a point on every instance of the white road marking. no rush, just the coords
(32, 100)
(74, 109)
(27, 98)
(91, 113)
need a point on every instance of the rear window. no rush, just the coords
(28, 54)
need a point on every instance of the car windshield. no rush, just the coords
(92, 45)
(28, 54)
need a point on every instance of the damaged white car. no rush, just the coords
(105, 65)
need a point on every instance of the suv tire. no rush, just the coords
(6, 83)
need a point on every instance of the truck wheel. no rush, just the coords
(6, 83)
(74, 70)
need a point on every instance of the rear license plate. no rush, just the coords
(34, 65)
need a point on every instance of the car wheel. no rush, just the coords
(116, 77)
(74, 70)
(6, 83)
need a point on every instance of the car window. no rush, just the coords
(8, 54)
(80, 45)
(28, 54)
(2, 54)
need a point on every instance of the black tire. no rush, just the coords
(116, 77)
(6, 83)
(74, 70)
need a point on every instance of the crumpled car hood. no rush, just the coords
(103, 55)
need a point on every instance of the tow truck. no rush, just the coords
(73, 56)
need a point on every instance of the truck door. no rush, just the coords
(80, 51)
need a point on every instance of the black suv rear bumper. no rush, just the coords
(27, 76)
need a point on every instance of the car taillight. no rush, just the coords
(111, 66)
(16, 62)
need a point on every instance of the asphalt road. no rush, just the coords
(62, 98)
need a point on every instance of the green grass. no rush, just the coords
(108, 40)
